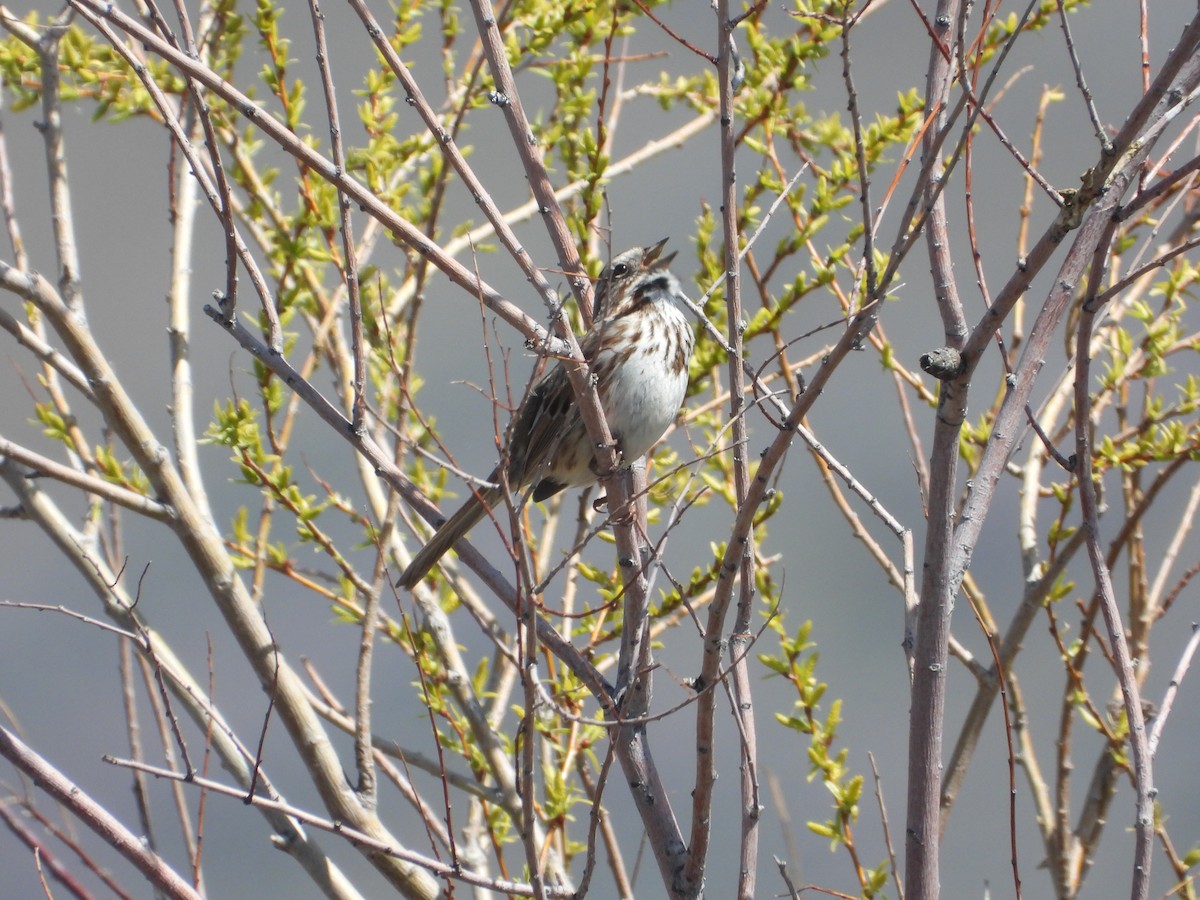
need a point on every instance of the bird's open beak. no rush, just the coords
(652, 256)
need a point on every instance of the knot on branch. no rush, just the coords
(944, 363)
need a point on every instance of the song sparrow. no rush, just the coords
(638, 350)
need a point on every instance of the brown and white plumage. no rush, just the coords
(637, 350)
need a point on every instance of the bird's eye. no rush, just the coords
(620, 270)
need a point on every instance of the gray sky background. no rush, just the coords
(58, 677)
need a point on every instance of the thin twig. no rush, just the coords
(1077, 66)
(359, 838)
(1142, 762)
(887, 831)
(349, 264)
(49, 859)
(1168, 701)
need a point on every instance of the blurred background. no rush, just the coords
(58, 676)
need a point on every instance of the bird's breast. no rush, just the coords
(647, 381)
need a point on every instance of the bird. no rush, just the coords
(637, 350)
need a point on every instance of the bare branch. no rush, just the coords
(94, 816)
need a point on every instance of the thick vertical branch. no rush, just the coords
(61, 211)
(184, 207)
(714, 627)
(931, 654)
(1114, 173)
(740, 639)
(1091, 211)
(183, 221)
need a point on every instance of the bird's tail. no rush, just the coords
(448, 535)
